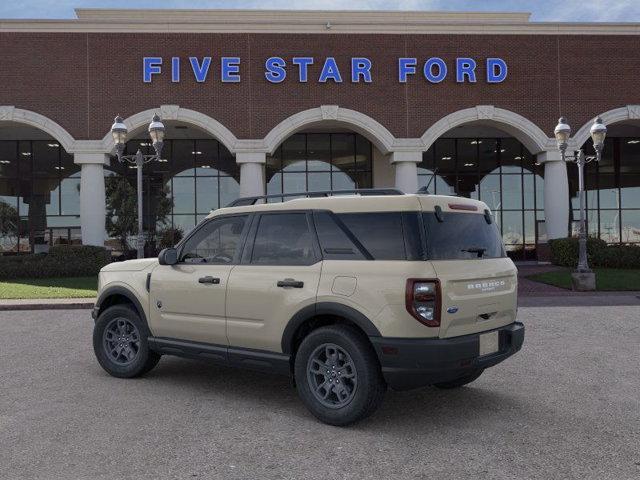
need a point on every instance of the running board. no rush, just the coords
(260, 360)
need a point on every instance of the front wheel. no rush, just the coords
(120, 343)
(338, 375)
(460, 381)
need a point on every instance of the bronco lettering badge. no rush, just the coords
(488, 286)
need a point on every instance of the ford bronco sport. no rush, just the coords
(348, 294)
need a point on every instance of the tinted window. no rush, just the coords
(217, 241)
(461, 236)
(334, 242)
(380, 233)
(283, 239)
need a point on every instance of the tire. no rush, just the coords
(132, 357)
(459, 382)
(354, 390)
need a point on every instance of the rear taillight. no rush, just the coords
(423, 301)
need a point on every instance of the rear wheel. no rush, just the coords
(338, 375)
(120, 343)
(460, 381)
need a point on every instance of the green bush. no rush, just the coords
(61, 261)
(620, 256)
(564, 252)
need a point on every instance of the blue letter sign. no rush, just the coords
(434, 69)
(150, 66)
(496, 70)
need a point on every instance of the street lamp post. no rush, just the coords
(156, 132)
(583, 278)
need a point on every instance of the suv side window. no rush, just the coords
(334, 241)
(216, 242)
(283, 239)
(381, 233)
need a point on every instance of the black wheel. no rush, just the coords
(338, 376)
(461, 381)
(120, 343)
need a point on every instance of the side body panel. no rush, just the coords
(133, 282)
(258, 310)
(378, 293)
(183, 308)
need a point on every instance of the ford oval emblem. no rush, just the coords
(452, 309)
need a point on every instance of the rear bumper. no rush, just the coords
(416, 362)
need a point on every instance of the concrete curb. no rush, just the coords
(47, 304)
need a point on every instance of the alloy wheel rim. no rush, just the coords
(332, 375)
(121, 340)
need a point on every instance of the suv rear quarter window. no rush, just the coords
(381, 233)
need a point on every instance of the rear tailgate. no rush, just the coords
(477, 295)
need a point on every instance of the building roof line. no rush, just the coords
(311, 22)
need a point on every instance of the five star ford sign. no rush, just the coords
(361, 69)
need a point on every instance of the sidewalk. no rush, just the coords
(47, 304)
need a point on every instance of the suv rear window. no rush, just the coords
(461, 236)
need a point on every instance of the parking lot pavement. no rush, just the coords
(567, 406)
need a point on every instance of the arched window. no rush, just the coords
(194, 177)
(39, 194)
(498, 171)
(320, 161)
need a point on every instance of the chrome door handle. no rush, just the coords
(208, 279)
(290, 282)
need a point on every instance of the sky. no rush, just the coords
(542, 10)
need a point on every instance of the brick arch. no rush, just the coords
(528, 133)
(177, 113)
(617, 115)
(374, 131)
(10, 113)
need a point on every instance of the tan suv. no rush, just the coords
(348, 294)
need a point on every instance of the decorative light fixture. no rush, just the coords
(156, 132)
(583, 277)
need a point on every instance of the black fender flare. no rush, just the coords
(120, 290)
(326, 308)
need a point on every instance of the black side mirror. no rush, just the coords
(168, 256)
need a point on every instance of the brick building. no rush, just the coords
(264, 101)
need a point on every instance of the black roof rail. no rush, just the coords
(245, 201)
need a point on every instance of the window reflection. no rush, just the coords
(498, 171)
(39, 196)
(193, 178)
(612, 191)
(318, 162)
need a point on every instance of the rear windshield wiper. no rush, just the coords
(478, 250)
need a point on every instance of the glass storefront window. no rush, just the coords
(39, 196)
(498, 171)
(612, 191)
(193, 178)
(320, 161)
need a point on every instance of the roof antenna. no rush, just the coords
(425, 190)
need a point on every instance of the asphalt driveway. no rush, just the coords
(567, 406)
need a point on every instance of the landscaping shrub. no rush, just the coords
(61, 261)
(564, 252)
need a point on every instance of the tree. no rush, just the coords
(122, 210)
(9, 223)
